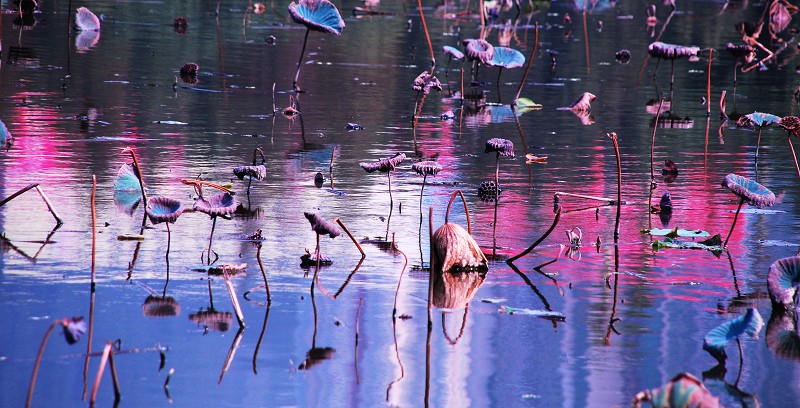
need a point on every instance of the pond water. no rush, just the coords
(73, 103)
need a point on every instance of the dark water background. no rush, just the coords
(72, 111)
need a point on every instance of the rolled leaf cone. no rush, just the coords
(74, 328)
(453, 52)
(258, 172)
(751, 191)
(454, 247)
(684, 390)
(479, 50)
(503, 146)
(454, 290)
(322, 227)
(426, 168)
(218, 204)
(85, 20)
(783, 281)
(157, 306)
(317, 15)
(666, 51)
(783, 337)
(214, 320)
(163, 209)
(791, 124)
(425, 82)
(583, 103)
(384, 165)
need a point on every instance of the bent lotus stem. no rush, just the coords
(794, 155)
(300, 61)
(106, 358)
(261, 152)
(427, 36)
(613, 136)
(211, 239)
(400, 279)
(528, 67)
(466, 209)
(47, 202)
(349, 234)
(652, 147)
(741, 202)
(32, 385)
(538, 241)
(198, 186)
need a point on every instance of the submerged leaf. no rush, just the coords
(713, 244)
(684, 390)
(531, 312)
(716, 339)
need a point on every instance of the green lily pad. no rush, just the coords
(713, 244)
(525, 104)
(676, 232)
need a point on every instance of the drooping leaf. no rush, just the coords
(74, 328)
(675, 232)
(127, 192)
(666, 51)
(715, 340)
(5, 136)
(453, 52)
(783, 281)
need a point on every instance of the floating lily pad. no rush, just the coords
(524, 105)
(713, 244)
(716, 339)
(675, 232)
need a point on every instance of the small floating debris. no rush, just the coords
(545, 314)
(493, 300)
(130, 237)
(354, 126)
(713, 244)
(169, 122)
(532, 158)
(230, 269)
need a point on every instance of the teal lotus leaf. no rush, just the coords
(715, 340)
(317, 15)
(127, 192)
(5, 135)
(760, 119)
(751, 191)
(163, 209)
(453, 52)
(507, 58)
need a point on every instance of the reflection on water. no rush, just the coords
(619, 318)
